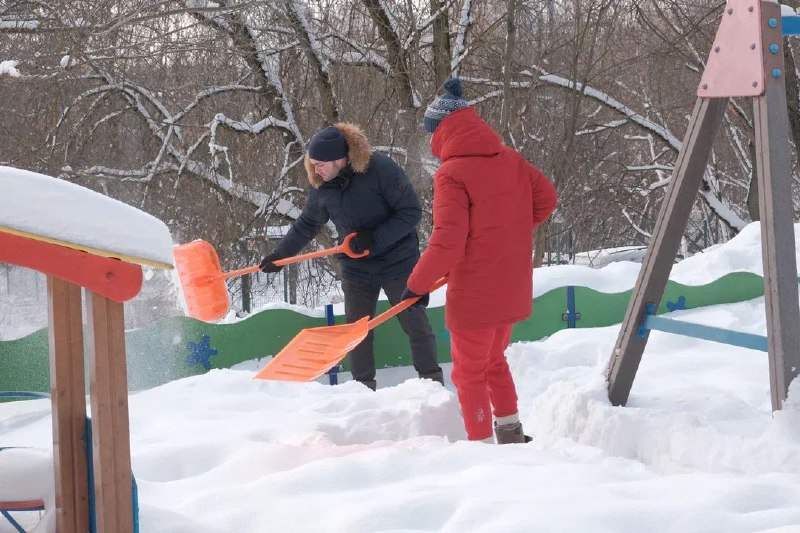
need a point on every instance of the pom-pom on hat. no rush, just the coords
(327, 145)
(451, 100)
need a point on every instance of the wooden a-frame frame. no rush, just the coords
(107, 283)
(746, 60)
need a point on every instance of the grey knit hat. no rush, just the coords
(451, 100)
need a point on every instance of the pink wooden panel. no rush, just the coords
(735, 65)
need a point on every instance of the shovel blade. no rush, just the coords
(314, 351)
(203, 287)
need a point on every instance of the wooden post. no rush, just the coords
(68, 397)
(110, 429)
(660, 256)
(777, 238)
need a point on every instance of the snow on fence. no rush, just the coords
(178, 347)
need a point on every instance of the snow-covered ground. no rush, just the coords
(696, 449)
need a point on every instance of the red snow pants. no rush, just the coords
(482, 378)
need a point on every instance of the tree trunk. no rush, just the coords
(540, 244)
(508, 58)
(407, 124)
(441, 44)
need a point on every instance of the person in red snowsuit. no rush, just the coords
(487, 202)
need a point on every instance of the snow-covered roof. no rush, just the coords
(57, 211)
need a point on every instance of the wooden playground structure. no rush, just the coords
(109, 278)
(746, 61)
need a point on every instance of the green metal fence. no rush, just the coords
(181, 347)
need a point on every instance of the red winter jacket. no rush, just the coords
(487, 200)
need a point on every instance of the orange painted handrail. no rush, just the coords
(117, 280)
(25, 505)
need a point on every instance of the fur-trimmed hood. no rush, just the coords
(358, 151)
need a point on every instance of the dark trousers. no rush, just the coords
(360, 300)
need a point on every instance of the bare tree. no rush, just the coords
(199, 112)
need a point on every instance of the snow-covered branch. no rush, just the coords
(315, 52)
(245, 127)
(16, 25)
(134, 97)
(83, 96)
(9, 68)
(237, 27)
(610, 102)
(637, 228)
(100, 171)
(365, 58)
(390, 33)
(611, 124)
(296, 12)
(390, 18)
(649, 168)
(208, 93)
(724, 212)
(390, 150)
(426, 23)
(460, 49)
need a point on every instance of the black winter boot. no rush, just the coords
(369, 383)
(510, 434)
(435, 376)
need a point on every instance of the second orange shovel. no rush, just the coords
(314, 351)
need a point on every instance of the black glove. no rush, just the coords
(267, 264)
(362, 242)
(424, 299)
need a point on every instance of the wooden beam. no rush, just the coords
(115, 279)
(777, 219)
(110, 430)
(664, 244)
(68, 397)
(776, 213)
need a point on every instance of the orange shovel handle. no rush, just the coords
(402, 306)
(343, 248)
(240, 272)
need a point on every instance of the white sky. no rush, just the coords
(84, 219)
(697, 448)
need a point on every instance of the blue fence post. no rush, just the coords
(571, 315)
(334, 371)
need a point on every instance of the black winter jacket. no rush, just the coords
(381, 199)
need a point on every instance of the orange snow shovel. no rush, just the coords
(203, 281)
(314, 351)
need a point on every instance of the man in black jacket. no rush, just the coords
(367, 193)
